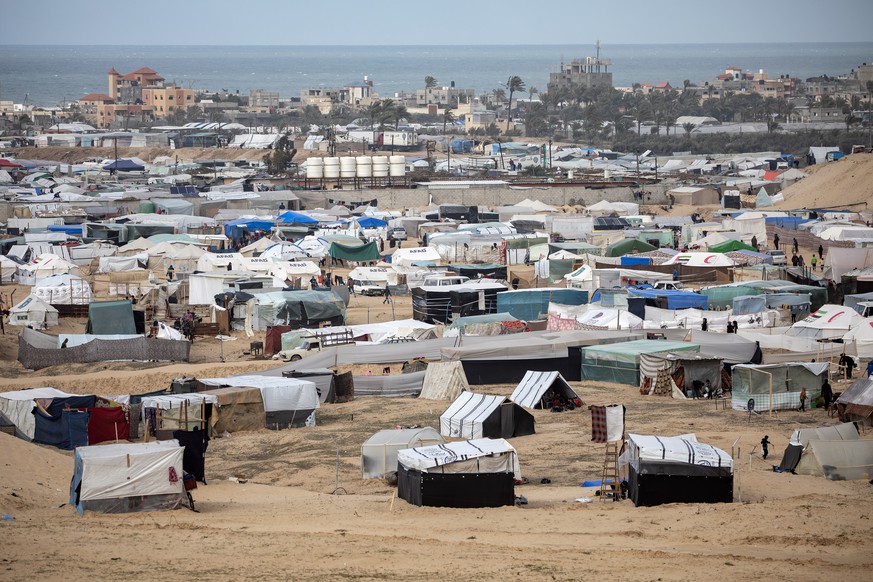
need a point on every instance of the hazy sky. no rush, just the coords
(378, 22)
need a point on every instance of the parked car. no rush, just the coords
(398, 233)
(778, 257)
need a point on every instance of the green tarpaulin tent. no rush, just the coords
(731, 245)
(111, 318)
(628, 246)
(360, 253)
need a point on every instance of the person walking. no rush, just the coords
(813, 261)
(827, 394)
(387, 298)
(704, 325)
(848, 363)
(765, 443)
(869, 369)
(802, 400)
(821, 252)
(776, 240)
(796, 246)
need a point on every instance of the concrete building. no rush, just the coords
(263, 101)
(450, 96)
(587, 72)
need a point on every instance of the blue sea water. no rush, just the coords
(50, 75)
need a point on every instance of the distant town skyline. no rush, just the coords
(354, 22)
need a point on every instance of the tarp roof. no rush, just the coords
(110, 318)
(630, 351)
(428, 458)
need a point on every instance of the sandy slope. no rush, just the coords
(847, 183)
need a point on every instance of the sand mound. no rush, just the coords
(33, 476)
(844, 184)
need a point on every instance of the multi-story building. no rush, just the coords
(263, 101)
(443, 96)
(587, 72)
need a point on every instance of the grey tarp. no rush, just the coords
(856, 403)
(731, 348)
(110, 318)
(392, 385)
(38, 350)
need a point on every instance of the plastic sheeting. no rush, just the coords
(16, 406)
(788, 380)
(379, 452)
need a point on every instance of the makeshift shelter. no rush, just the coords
(299, 308)
(444, 381)
(323, 378)
(856, 403)
(539, 390)
(44, 266)
(291, 217)
(628, 246)
(474, 473)
(239, 408)
(16, 408)
(62, 422)
(234, 229)
(33, 311)
(533, 304)
(693, 196)
(620, 363)
(670, 299)
(8, 267)
(443, 303)
(122, 478)
(731, 245)
(124, 165)
(288, 402)
(688, 371)
(65, 289)
(356, 253)
(473, 416)
(700, 260)
(110, 318)
(776, 386)
(379, 452)
(837, 460)
(171, 412)
(677, 470)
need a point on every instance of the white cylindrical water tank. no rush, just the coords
(380, 166)
(569, 174)
(397, 166)
(348, 167)
(365, 166)
(607, 175)
(314, 169)
(331, 168)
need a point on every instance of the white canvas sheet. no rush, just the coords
(17, 407)
(464, 417)
(678, 449)
(472, 456)
(530, 390)
(278, 393)
(131, 470)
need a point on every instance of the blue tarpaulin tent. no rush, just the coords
(235, 228)
(292, 217)
(370, 222)
(629, 261)
(124, 166)
(73, 229)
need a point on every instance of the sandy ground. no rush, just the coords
(847, 183)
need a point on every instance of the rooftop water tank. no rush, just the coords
(365, 166)
(331, 168)
(314, 169)
(380, 166)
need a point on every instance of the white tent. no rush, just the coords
(44, 266)
(838, 460)
(257, 247)
(8, 267)
(563, 255)
(406, 257)
(539, 389)
(829, 321)
(862, 336)
(444, 381)
(473, 416)
(220, 262)
(471, 456)
(33, 310)
(379, 452)
(16, 407)
(701, 260)
(120, 478)
(379, 276)
(63, 289)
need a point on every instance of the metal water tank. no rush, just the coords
(314, 169)
(397, 166)
(348, 167)
(331, 168)
(365, 166)
(380, 166)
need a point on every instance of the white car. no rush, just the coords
(778, 257)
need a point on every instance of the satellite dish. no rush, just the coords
(750, 405)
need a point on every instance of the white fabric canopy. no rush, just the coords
(472, 456)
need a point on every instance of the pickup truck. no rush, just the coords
(310, 345)
(669, 285)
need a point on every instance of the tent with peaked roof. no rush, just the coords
(628, 246)
(473, 416)
(33, 310)
(827, 322)
(856, 403)
(110, 318)
(539, 389)
(837, 460)
(291, 217)
(444, 381)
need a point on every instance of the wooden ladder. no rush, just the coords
(610, 472)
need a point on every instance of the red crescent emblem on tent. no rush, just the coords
(836, 315)
(708, 259)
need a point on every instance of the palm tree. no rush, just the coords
(399, 113)
(448, 117)
(513, 85)
(773, 125)
(689, 127)
(531, 92)
(849, 120)
(430, 82)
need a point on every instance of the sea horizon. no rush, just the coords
(51, 75)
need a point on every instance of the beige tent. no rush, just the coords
(694, 196)
(838, 460)
(444, 381)
(239, 408)
(135, 247)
